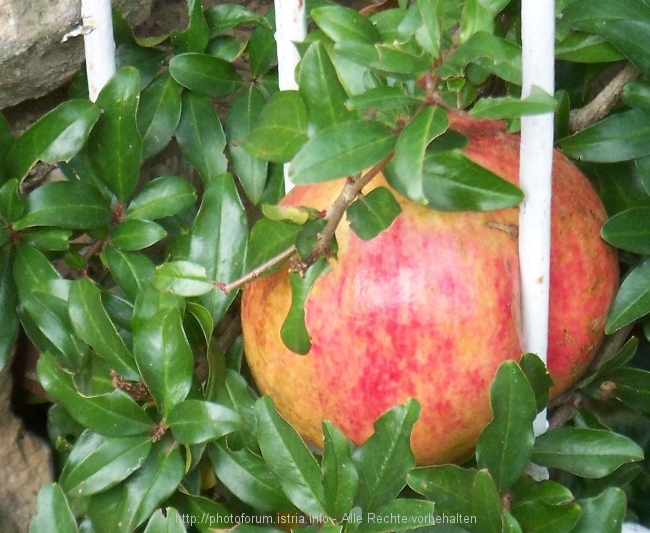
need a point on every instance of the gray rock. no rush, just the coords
(33, 61)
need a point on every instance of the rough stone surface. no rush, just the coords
(33, 61)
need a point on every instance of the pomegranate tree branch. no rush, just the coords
(604, 102)
(258, 271)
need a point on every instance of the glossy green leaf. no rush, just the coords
(307, 239)
(478, 16)
(628, 230)
(236, 394)
(115, 144)
(342, 150)
(67, 204)
(196, 421)
(632, 300)
(537, 102)
(358, 53)
(224, 17)
(164, 357)
(540, 517)
(159, 114)
(636, 94)
(452, 182)
(226, 47)
(619, 137)
(47, 239)
(145, 59)
(97, 463)
(385, 459)
(588, 453)
(633, 388)
(408, 163)
(53, 513)
(162, 197)
(135, 234)
(57, 136)
(506, 444)
(196, 35)
(447, 485)
(621, 185)
(201, 137)
(92, 325)
(510, 524)
(400, 58)
(281, 129)
(261, 49)
(602, 513)
(372, 213)
(218, 241)
(605, 366)
(344, 24)
(321, 90)
(340, 477)
(382, 98)
(582, 47)
(12, 205)
(246, 475)
(538, 378)
(289, 459)
(203, 319)
(131, 270)
(294, 332)
(626, 26)
(484, 501)
(31, 270)
(526, 490)
(205, 514)
(8, 302)
(251, 172)
(400, 514)
(205, 74)
(183, 278)
(432, 13)
(169, 522)
(149, 301)
(114, 415)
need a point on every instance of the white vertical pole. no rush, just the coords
(536, 162)
(291, 26)
(97, 20)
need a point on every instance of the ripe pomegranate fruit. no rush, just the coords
(430, 308)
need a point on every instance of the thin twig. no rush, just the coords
(258, 271)
(604, 102)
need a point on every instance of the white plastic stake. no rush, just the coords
(97, 28)
(291, 27)
(536, 162)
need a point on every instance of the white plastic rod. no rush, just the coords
(536, 163)
(291, 27)
(97, 21)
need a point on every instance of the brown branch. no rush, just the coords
(604, 102)
(258, 271)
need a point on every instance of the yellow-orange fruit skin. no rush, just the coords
(429, 309)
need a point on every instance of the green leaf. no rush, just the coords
(203, 319)
(218, 241)
(53, 512)
(164, 357)
(204, 74)
(619, 137)
(131, 270)
(204, 514)
(636, 94)
(506, 444)
(162, 197)
(589, 453)
(538, 378)
(602, 513)
(146, 60)
(32, 270)
(224, 17)
(113, 415)
(115, 144)
(484, 501)
(540, 517)
(269, 238)
(195, 37)
(478, 15)
(402, 59)
(134, 234)
(580, 47)
(92, 325)
(344, 24)
(47, 239)
(8, 302)
(447, 485)
(633, 388)
(372, 213)
(289, 459)
(201, 137)
(97, 463)
(385, 459)
(628, 230)
(401, 514)
(382, 98)
(196, 421)
(321, 90)
(66, 204)
(12, 205)
(183, 278)
(408, 163)
(537, 102)
(251, 172)
(246, 475)
(159, 114)
(342, 150)
(170, 522)
(261, 49)
(606, 366)
(281, 129)
(235, 393)
(340, 477)
(432, 13)
(149, 301)
(452, 182)
(226, 47)
(632, 300)
(57, 136)
(293, 332)
(526, 491)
